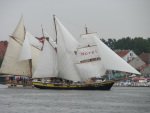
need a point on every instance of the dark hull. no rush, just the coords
(97, 86)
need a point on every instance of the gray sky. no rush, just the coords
(109, 18)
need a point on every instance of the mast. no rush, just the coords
(55, 27)
(86, 31)
(42, 31)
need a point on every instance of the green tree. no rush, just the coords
(1, 60)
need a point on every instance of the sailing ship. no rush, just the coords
(21, 57)
(72, 64)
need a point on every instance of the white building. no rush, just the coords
(127, 55)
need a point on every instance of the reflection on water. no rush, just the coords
(117, 100)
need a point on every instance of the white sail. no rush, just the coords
(110, 59)
(19, 32)
(11, 65)
(51, 40)
(66, 45)
(87, 53)
(26, 50)
(70, 43)
(90, 69)
(89, 63)
(36, 47)
(33, 41)
(35, 53)
(47, 66)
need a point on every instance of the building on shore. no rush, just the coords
(127, 55)
(3, 47)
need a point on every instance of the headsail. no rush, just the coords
(35, 46)
(47, 66)
(26, 50)
(110, 59)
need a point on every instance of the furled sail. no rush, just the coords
(110, 59)
(66, 45)
(11, 65)
(47, 66)
(26, 50)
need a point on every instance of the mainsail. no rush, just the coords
(66, 45)
(47, 66)
(19, 33)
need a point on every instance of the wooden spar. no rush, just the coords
(15, 40)
(87, 46)
(55, 27)
(89, 60)
(47, 40)
(88, 33)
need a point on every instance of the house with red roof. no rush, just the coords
(136, 62)
(145, 57)
(127, 55)
(145, 69)
(3, 47)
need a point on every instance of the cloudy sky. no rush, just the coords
(109, 18)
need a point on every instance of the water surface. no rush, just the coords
(117, 100)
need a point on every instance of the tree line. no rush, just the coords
(1, 60)
(137, 44)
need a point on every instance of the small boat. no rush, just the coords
(73, 64)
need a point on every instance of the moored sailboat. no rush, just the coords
(77, 65)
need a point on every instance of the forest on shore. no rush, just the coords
(138, 44)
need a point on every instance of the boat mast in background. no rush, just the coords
(55, 27)
(86, 31)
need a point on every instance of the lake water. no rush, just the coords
(117, 100)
